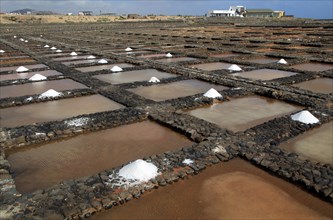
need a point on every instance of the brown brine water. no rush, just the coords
(264, 74)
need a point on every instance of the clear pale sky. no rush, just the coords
(303, 9)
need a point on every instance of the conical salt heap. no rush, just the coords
(26, 41)
(50, 93)
(37, 77)
(282, 61)
(305, 117)
(21, 69)
(154, 80)
(53, 48)
(116, 69)
(212, 93)
(139, 170)
(46, 45)
(102, 61)
(168, 55)
(73, 54)
(234, 67)
(15, 36)
(2, 51)
(128, 49)
(91, 57)
(58, 51)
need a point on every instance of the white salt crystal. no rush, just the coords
(234, 67)
(22, 69)
(116, 69)
(212, 93)
(50, 93)
(282, 61)
(154, 80)
(168, 55)
(128, 49)
(305, 117)
(139, 170)
(73, 54)
(188, 161)
(102, 61)
(37, 77)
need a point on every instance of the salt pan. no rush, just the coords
(102, 61)
(37, 77)
(58, 51)
(168, 55)
(53, 48)
(46, 45)
(139, 170)
(212, 93)
(128, 49)
(188, 161)
(91, 57)
(282, 61)
(154, 80)
(234, 67)
(50, 93)
(305, 117)
(116, 69)
(21, 69)
(2, 51)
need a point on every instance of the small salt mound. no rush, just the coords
(168, 55)
(53, 48)
(305, 117)
(128, 49)
(37, 77)
(116, 69)
(2, 51)
(212, 93)
(58, 51)
(154, 80)
(26, 41)
(22, 69)
(282, 61)
(21, 39)
(234, 67)
(91, 57)
(46, 45)
(50, 93)
(41, 35)
(102, 61)
(15, 37)
(139, 170)
(188, 161)
(73, 54)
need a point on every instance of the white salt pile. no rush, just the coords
(41, 35)
(21, 39)
(21, 69)
(58, 51)
(73, 54)
(168, 55)
(15, 37)
(102, 61)
(282, 61)
(139, 170)
(46, 45)
(26, 41)
(37, 77)
(29, 99)
(305, 117)
(154, 80)
(50, 93)
(77, 122)
(53, 48)
(128, 49)
(212, 93)
(2, 51)
(91, 57)
(234, 67)
(188, 161)
(116, 69)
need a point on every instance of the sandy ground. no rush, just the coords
(36, 19)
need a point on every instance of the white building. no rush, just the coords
(234, 11)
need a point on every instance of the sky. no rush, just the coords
(320, 9)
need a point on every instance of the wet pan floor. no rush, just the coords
(322, 85)
(264, 74)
